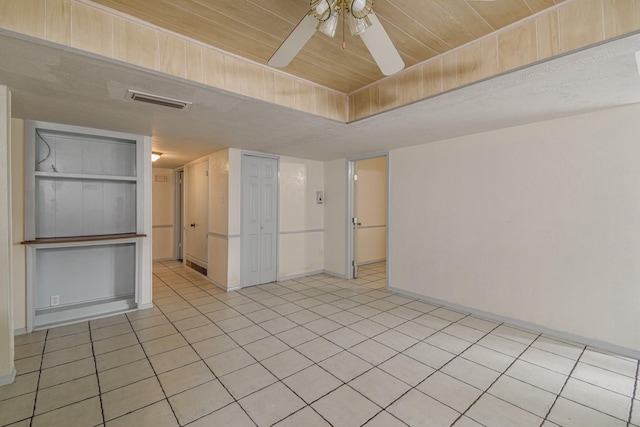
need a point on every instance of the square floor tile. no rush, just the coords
(68, 355)
(571, 414)
(448, 342)
(67, 341)
(247, 380)
(416, 408)
(234, 324)
(266, 347)
(202, 333)
(67, 372)
(312, 383)
(603, 400)
(486, 357)
(561, 348)
(395, 340)
(379, 387)
(119, 357)
(373, 352)
(523, 395)
(22, 384)
(384, 419)
(286, 363)
(28, 364)
(114, 343)
(229, 361)
(450, 391)
(199, 401)
(17, 408)
(345, 366)
(164, 344)
(502, 345)
(157, 415)
(230, 415)
(111, 331)
(515, 334)
(535, 375)
(66, 393)
(346, 407)
(406, 369)
(548, 360)
(212, 346)
(125, 375)
(604, 378)
(318, 349)
(173, 359)
(130, 398)
(156, 332)
(296, 336)
(429, 355)
(271, 404)
(85, 413)
(184, 378)
(61, 331)
(490, 410)
(248, 335)
(345, 337)
(415, 330)
(280, 324)
(306, 417)
(322, 326)
(471, 373)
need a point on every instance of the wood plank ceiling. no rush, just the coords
(253, 29)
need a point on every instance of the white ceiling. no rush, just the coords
(62, 85)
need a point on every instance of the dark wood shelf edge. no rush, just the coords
(76, 239)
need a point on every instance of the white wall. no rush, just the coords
(538, 223)
(372, 209)
(163, 213)
(219, 217)
(335, 225)
(7, 370)
(17, 207)
(301, 247)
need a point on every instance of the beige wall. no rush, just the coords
(537, 223)
(372, 209)
(163, 213)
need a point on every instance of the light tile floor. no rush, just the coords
(316, 351)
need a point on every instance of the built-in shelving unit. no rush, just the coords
(84, 222)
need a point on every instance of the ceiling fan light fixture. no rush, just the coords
(322, 9)
(329, 26)
(358, 26)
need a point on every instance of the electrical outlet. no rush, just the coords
(55, 300)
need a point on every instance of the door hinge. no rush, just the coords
(355, 177)
(207, 173)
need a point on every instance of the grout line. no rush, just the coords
(634, 394)
(95, 365)
(564, 384)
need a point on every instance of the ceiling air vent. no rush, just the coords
(158, 100)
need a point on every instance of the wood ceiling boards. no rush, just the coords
(253, 29)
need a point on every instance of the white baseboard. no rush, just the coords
(567, 336)
(20, 331)
(333, 274)
(297, 276)
(8, 379)
(145, 306)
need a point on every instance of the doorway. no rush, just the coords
(196, 216)
(259, 224)
(368, 206)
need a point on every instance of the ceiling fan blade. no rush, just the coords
(381, 47)
(294, 42)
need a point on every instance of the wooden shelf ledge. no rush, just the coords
(76, 239)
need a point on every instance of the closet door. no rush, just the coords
(259, 244)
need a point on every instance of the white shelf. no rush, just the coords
(54, 175)
(46, 318)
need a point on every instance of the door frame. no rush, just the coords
(351, 167)
(242, 207)
(185, 211)
(178, 222)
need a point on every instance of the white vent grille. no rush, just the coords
(158, 100)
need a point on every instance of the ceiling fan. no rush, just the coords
(324, 15)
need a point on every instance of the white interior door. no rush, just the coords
(259, 243)
(196, 221)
